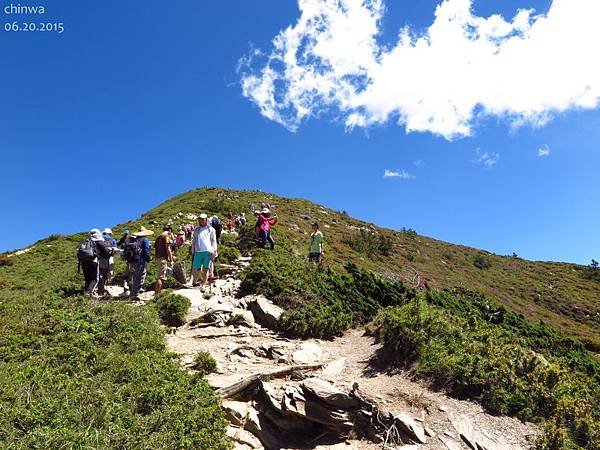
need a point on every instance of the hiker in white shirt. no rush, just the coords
(204, 248)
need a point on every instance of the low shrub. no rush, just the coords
(472, 359)
(317, 319)
(172, 308)
(481, 261)
(204, 363)
(321, 302)
(228, 254)
(370, 244)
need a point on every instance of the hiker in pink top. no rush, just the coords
(265, 222)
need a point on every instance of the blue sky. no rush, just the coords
(139, 101)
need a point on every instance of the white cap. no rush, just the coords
(202, 216)
(107, 231)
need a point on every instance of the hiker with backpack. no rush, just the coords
(106, 264)
(204, 247)
(217, 224)
(140, 256)
(163, 255)
(87, 255)
(316, 244)
(263, 227)
(123, 239)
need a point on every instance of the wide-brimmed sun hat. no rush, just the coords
(143, 231)
(266, 211)
(107, 231)
(202, 216)
(96, 235)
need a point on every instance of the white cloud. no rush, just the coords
(488, 159)
(544, 150)
(387, 173)
(441, 80)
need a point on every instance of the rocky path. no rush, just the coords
(326, 394)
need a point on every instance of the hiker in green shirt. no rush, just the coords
(316, 244)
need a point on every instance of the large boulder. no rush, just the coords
(328, 393)
(265, 312)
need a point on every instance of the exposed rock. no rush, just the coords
(328, 393)
(309, 353)
(195, 295)
(334, 367)
(450, 445)
(246, 318)
(471, 437)
(283, 417)
(235, 412)
(316, 411)
(411, 428)
(277, 351)
(265, 312)
(259, 426)
(217, 304)
(218, 381)
(146, 296)
(114, 291)
(429, 432)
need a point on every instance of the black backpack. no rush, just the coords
(216, 224)
(87, 251)
(132, 251)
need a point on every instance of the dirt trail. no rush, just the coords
(228, 327)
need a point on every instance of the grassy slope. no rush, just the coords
(81, 374)
(556, 293)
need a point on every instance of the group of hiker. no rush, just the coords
(96, 255)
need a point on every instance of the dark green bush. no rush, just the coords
(481, 261)
(172, 308)
(204, 363)
(320, 301)
(317, 319)
(228, 254)
(370, 244)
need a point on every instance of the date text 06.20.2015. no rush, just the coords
(54, 27)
